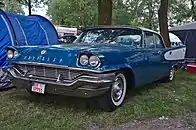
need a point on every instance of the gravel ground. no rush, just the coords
(187, 122)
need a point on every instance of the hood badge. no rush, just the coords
(43, 52)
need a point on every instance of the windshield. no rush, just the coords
(111, 36)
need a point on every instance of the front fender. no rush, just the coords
(115, 67)
(127, 69)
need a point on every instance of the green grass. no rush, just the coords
(19, 110)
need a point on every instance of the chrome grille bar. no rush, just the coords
(44, 68)
(34, 70)
(49, 72)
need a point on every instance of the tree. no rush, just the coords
(163, 22)
(104, 12)
(13, 6)
(73, 12)
(31, 3)
(193, 10)
(84, 12)
(143, 13)
(120, 14)
(179, 12)
(124, 12)
(1, 4)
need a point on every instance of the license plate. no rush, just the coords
(38, 87)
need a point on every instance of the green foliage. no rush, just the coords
(13, 6)
(121, 15)
(2, 4)
(34, 3)
(145, 12)
(73, 12)
(125, 12)
(179, 12)
(84, 12)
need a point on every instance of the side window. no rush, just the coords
(149, 40)
(158, 41)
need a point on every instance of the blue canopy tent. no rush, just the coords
(20, 30)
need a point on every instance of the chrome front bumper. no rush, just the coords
(91, 85)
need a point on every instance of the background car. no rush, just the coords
(67, 39)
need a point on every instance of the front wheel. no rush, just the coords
(114, 98)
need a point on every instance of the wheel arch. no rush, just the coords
(130, 75)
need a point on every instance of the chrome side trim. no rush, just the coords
(63, 67)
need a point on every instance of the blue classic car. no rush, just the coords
(103, 62)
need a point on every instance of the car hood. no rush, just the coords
(66, 54)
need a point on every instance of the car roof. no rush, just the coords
(120, 26)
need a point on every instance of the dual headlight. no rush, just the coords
(92, 60)
(12, 53)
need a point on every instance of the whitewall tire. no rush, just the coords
(115, 97)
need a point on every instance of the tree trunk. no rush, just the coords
(29, 6)
(193, 10)
(150, 14)
(104, 12)
(163, 22)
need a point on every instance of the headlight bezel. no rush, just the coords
(16, 54)
(91, 58)
(10, 53)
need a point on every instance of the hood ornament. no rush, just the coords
(43, 52)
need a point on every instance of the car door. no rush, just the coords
(164, 65)
(154, 57)
(169, 56)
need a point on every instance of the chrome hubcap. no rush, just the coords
(117, 89)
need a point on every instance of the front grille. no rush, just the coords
(49, 72)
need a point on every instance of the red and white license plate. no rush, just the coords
(38, 87)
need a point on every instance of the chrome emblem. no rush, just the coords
(43, 52)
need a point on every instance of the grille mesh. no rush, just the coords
(48, 72)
